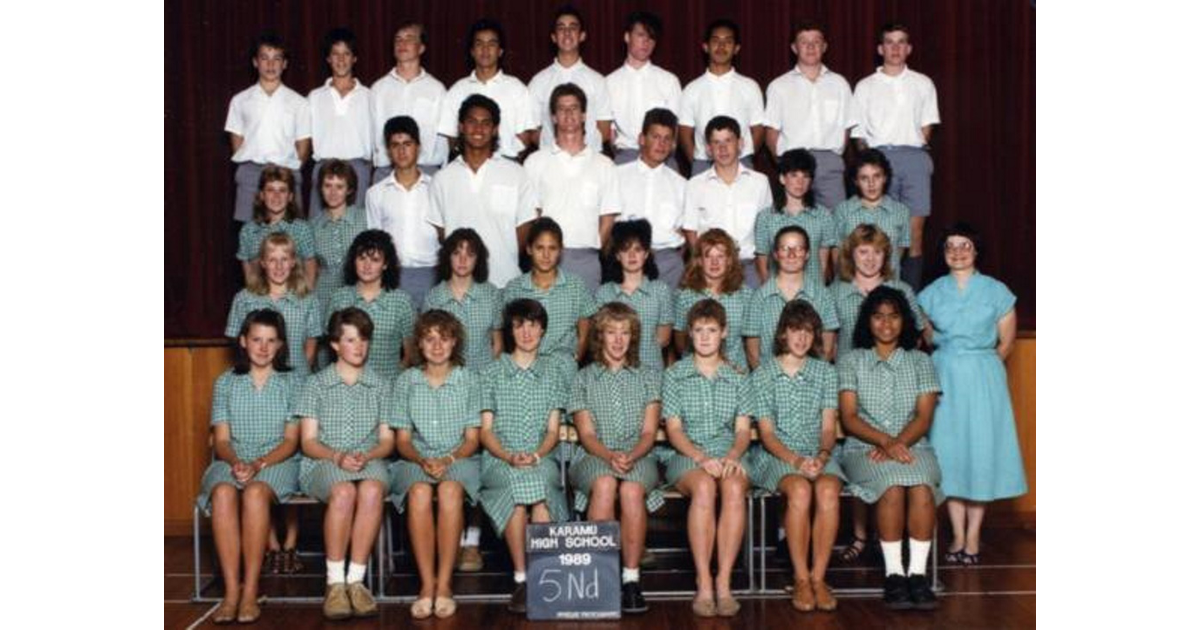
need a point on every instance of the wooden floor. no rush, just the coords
(997, 594)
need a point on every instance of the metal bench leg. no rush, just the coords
(750, 538)
(196, 550)
(379, 559)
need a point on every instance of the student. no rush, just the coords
(897, 109)
(568, 35)
(346, 439)
(275, 210)
(810, 107)
(720, 91)
(706, 403)
(639, 86)
(634, 282)
(615, 405)
(279, 285)
(872, 205)
(727, 196)
(888, 390)
(336, 227)
(575, 186)
(254, 438)
(399, 205)
(341, 117)
(372, 278)
(797, 170)
(408, 90)
(656, 194)
(867, 256)
(523, 398)
(268, 123)
(714, 273)
(789, 284)
(795, 406)
(482, 191)
(485, 48)
(560, 292)
(434, 410)
(464, 292)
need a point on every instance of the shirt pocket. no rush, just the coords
(831, 110)
(504, 201)
(589, 196)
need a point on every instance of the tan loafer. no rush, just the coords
(469, 559)
(422, 608)
(248, 611)
(727, 606)
(337, 602)
(444, 607)
(226, 612)
(704, 607)
(803, 598)
(361, 600)
(824, 597)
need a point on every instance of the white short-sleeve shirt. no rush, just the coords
(656, 195)
(635, 92)
(711, 203)
(341, 125)
(269, 124)
(493, 201)
(508, 92)
(730, 94)
(892, 110)
(404, 214)
(810, 115)
(574, 190)
(421, 98)
(594, 87)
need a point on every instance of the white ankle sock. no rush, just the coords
(335, 571)
(782, 533)
(893, 564)
(356, 572)
(519, 577)
(630, 575)
(918, 555)
(471, 537)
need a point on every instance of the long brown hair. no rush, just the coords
(693, 276)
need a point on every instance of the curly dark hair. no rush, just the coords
(474, 244)
(522, 310)
(883, 294)
(373, 241)
(625, 234)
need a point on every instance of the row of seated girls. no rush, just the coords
(492, 372)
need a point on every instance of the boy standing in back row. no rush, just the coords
(568, 36)
(639, 86)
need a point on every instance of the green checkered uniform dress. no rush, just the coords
(301, 317)
(793, 405)
(617, 404)
(735, 319)
(767, 305)
(332, 240)
(481, 311)
(890, 215)
(655, 305)
(437, 419)
(708, 408)
(348, 417)
(256, 419)
(252, 234)
(567, 302)
(819, 224)
(847, 301)
(887, 400)
(521, 401)
(394, 317)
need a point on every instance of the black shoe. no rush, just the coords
(517, 603)
(895, 592)
(632, 600)
(921, 594)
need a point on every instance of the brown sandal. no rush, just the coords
(852, 552)
(290, 562)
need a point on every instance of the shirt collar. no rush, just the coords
(649, 64)
(897, 358)
(473, 78)
(775, 368)
(512, 369)
(586, 152)
(742, 171)
(527, 280)
(880, 72)
(422, 179)
(329, 377)
(396, 75)
(820, 73)
(690, 370)
(646, 169)
(722, 78)
(579, 65)
(416, 375)
(357, 84)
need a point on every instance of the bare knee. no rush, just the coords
(420, 496)
(920, 496)
(370, 492)
(797, 491)
(829, 492)
(604, 489)
(704, 492)
(733, 490)
(342, 496)
(224, 494)
(450, 496)
(257, 493)
(632, 493)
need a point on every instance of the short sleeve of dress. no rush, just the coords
(829, 388)
(220, 403)
(652, 386)
(666, 308)
(761, 394)
(474, 403)
(308, 401)
(396, 411)
(409, 318)
(672, 403)
(745, 397)
(847, 376)
(1002, 299)
(312, 318)
(306, 247)
(927, 380)
(762, 240)
(578, 398)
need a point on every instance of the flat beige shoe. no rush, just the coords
(727, 606)
(444, 607)
(337, 602)
(422, 608)
(361, 600)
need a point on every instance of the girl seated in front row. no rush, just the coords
(615, 405)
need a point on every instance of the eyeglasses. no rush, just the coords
(965, 246)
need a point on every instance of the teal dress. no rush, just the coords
(616, 402)
(973, 430)
(817, 222)
(521, 400)
(252, 234)
(301, 317)
(887, 400)
(890, 215)
(847, 302)
(438, 418)
(481, 312)
(566, 302)
(794, 406)
(257, 419)
(394, 316)
(655, 305)
(708, 409)
(736, 315)
(768, 302)
(332, 240)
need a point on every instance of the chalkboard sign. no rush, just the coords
(573, 570)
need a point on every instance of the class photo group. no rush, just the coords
(440, 280)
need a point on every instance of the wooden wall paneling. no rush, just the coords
(179, 479)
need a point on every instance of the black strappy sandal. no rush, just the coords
(852, 552)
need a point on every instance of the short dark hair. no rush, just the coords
(624, 234)
(446, 324)
(567, 89)
(366, 242)
(341, 35)
(723, 23)
(401, 124)
(808, 25)
(717, 123)
(540, 225)
(564, 11)
(338, 168)
(798, 315)
(484, 24)
(791, 229)
(417, 25)
(479, 101)
(349, 316)
(884, 294)
(262, 317)
(649, 21)
(958, 228)
(873, 157)
(707, 308)
(891, 27)
(268, 39)
(662, 117)
(521, 310)
(800, 160)
(474, 243)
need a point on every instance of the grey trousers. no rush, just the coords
(417, 281)
(829, 184)
(670, 265)
(585, 263)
